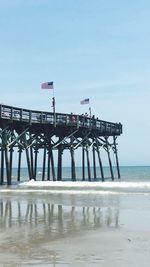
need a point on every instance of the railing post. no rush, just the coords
(0, 110)
(30, 116)
(21, 114)
(77, 121)
(11, 113)
(54, 119)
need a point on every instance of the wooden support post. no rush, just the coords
(116, 156)
(83, 164)
(28, 164)
(88, 164)
(100, 164)
(7, 161)
(2, 165)
(44, 163)
(35, 163)
(59, 168)
(31, 160)
(48, 164)
(11, 158)
(19, 164)
(52, 164)
(11, 154)
(94, 163)
(73, 170)
(109, 160)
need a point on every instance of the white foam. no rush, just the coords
(84, 185)
(58, 191)
(80, 187)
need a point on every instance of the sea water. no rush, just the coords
(47, 223)
(128, 173)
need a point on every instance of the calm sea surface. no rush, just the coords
(44, 227)
(128, 173)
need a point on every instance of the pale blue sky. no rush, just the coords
(96, 49)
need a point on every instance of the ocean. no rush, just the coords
(128, 173)
(76, 223)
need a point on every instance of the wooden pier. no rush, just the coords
(30, 131)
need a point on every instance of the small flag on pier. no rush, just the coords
(47, 85)
(85, 101)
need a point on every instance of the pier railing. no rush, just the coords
(15, 114)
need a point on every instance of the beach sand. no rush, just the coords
(107, 248)
(118, 235)
(126, 245)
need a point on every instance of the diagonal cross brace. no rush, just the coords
(17, 138)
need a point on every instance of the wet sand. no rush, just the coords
(106, 230)
(107, 248)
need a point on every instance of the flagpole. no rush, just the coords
(90, 112)
(49, 85)
(54, 108)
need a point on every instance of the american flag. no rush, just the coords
(85, 101)
(47, 85)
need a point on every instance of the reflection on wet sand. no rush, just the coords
(26, 226)
(57, 218)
